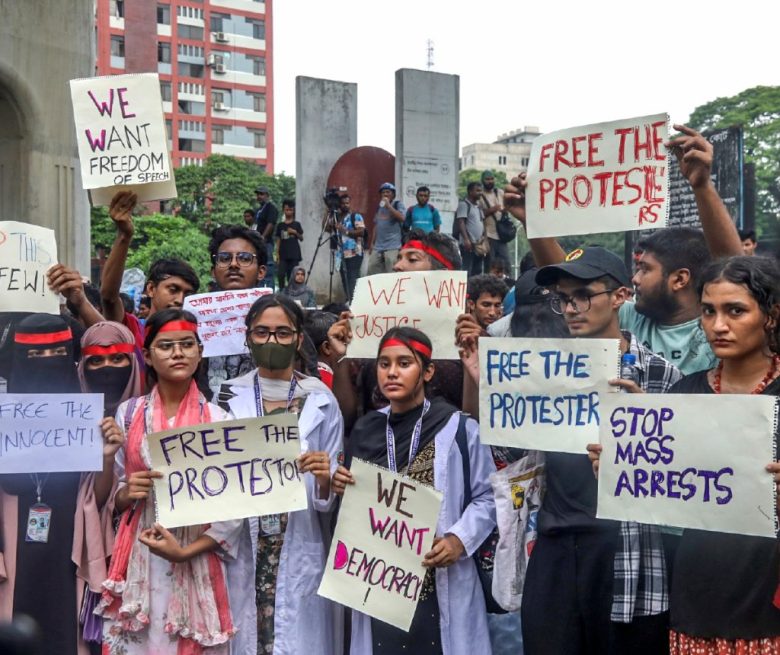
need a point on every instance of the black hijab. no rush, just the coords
(55, 374)
(368, 440)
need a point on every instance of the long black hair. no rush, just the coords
(761, 277)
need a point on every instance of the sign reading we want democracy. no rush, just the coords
(544, 394)
(386, 526)
(430, 301)
(690, 461)
(120, 130)
(609, 177)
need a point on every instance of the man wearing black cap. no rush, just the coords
(595, 586)
(265, 223)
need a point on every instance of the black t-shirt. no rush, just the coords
(267, 214)
(723, 584)
(289, 244)
(569, 503)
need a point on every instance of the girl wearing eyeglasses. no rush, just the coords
(155, 599)
(290, 548)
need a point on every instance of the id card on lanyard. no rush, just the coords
(39, 515)
(413, 447)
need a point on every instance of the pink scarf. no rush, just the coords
(199, 614)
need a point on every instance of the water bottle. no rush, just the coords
(628, 370)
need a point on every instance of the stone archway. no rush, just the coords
(12, 156)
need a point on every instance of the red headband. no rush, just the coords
(43, 338)
(414, 345)
(175, 326)
(419, 245)
(116, 349)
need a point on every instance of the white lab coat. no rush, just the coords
(303, 621)
(464, 628)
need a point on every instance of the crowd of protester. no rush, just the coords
(700, 313)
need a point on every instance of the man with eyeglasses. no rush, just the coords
(595, 586)
(238, 259)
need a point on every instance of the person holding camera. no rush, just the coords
(387, 233)
(351, 227)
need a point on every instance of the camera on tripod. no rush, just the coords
(332, 197)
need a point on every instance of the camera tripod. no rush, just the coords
(328, 234)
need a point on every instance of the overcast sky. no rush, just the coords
(551, 63)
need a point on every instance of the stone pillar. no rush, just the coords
(39, 169)
(427, 119)
(326, 127)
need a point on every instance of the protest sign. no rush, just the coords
(544, 393)
(227, 470)
(51, 433)
(385, 528)
(690, 461)
(430, 301)
(608, 177)
(120, 131)
(26, 253)
(221, 317)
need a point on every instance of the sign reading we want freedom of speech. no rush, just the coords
(609, 177)
(120, 130)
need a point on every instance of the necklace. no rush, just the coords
(770, 375)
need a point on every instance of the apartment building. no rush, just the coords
(215, 62)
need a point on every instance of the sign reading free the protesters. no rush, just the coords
(430, 301)
(221, 316)
(26, 253)
(544, 394)
(690, 461)
(608, 177)
(227, 470)
(50, 433)
(120, 130)
(386, 526)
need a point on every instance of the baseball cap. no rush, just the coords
(586, 264)
(387, 187)
(528, 290)
(262, 189)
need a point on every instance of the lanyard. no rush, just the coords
(259, 395)
(415, 439)
(39, 484)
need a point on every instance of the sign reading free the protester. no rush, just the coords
(609, 177)
(544, 394)
(385, 528)
(227, 470)
(50, 433)
(120, 130)
(690, 461)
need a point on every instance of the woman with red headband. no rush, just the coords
(154, 599)
(42, 574)
(419, 437)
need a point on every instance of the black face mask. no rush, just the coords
(108, 380)
(56, 374)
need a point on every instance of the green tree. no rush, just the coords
(468, 175)
(758, 111)
(218, 192)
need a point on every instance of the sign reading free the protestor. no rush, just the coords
(544, 393)
(430, 301)
(609, 177)
(26, 253)
(227, 470)
(120, 130)
(386, 526)
(50, 433)
(690, 461)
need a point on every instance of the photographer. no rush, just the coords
(351, 228)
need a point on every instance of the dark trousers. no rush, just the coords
(567, 598)
(350, 272)
(284, 271)
(498, 250)
(473, 264)
(270, 266)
